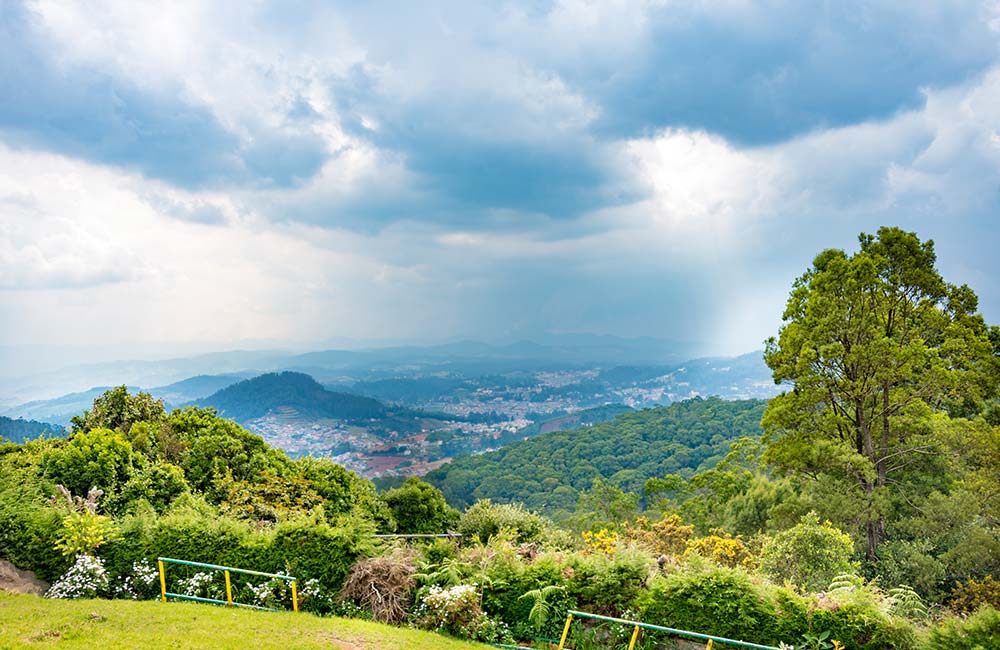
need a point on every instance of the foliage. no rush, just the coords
(485, 519)
(83, 530)
(810, 554)
(96, 458)
(117, 410)
(601, 541)
(980, 631)
(719, 601)
(721, 549)
(668, 536)
(419, 507)
(457, 611)
(609, 585)
(547, 473)
(541, 608)
(269, 498)
(87, 578)
(969, 596)
(874, 342)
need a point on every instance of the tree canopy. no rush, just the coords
(873, 343)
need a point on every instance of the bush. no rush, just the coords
(419, 507)
(719, 601)
(609, 585)
(508, 581)
(969, 596)
(858, 619)
(668, 536)
(457, 611)
(484, 520)
(809, 554)
(727, 602)
(981, 631)
(726, 551)
(99, 458)
(87, 578)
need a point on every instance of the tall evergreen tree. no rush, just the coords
(872, 344)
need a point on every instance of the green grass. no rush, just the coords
(33, 622)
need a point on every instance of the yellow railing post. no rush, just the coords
(295, 598)
(709, 646)
(163, 582)
(562, 641)
(229, 591)
(635, 637)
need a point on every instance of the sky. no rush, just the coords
(190, 174)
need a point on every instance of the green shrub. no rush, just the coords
(485, 519)
(609, 585)
(507, 582)
(858, 620)
(809, 554)
(419, 507)
(29, 527)
(99, 458)
(981, 631)
(719, 601)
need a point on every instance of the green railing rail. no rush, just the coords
(658, 628)
(164, 594)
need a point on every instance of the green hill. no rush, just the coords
(254, 398)
(33, 622)
(547, 472)
(21, 431)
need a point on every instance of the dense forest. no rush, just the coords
(548, 472)
(19, 431)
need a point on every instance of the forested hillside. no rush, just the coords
(548, 472)
(19, 431)
(254, 398)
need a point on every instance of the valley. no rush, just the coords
(398, 412)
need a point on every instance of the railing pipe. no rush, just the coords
(659, 628)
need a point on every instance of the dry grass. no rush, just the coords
(383, 585)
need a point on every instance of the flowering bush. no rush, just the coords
(140, 584)
(457, 610)
(604, 541)
(202, 585)
(271, 593)
(312, 598)
(87, 578)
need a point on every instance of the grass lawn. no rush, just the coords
(33, 622)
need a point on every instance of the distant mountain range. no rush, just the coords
(254, 398)
(19, 385)
(422, 377)
(60, 409)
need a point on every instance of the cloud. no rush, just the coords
(213, 172)
(58, 100)
(758, 73)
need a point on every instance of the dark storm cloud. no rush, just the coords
(767, 72)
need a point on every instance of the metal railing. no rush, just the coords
(164, 594)
(658, 628)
